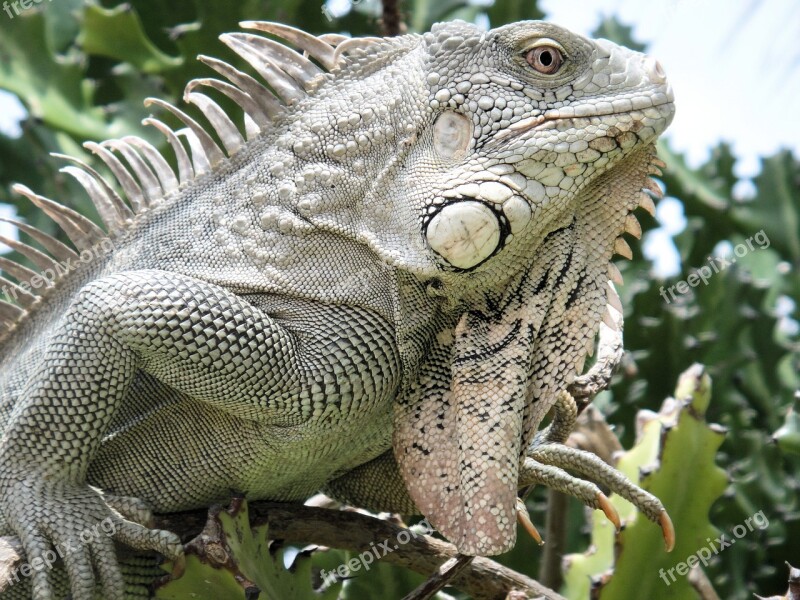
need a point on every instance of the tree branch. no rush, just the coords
(443, 577)
(555, 536)
(482, 578)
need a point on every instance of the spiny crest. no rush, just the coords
(612, 317)
(290, 71)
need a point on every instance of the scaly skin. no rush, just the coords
(383, 292)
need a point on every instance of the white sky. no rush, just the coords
(734, 66)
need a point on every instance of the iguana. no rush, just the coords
(379, 287)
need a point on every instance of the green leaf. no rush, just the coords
(776, 210)
(62, 23)
(612, 29)
(117, 33)
(510, 11)
(427, 12)
(51, 88)
(230, 559)
(382, 580)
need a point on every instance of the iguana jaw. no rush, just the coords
(555, 115)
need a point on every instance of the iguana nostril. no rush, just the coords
(654, 70)
(464, 233)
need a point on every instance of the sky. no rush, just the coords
(734, 66)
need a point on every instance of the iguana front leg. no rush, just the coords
(200, 339)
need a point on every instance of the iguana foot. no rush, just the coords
(533, 472)
(59, 519)
(556, 455)
(547, 456)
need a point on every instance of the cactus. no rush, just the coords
(788, 436)
(674, 459)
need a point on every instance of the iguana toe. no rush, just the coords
(590, 465)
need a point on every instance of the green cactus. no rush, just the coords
(674, 459)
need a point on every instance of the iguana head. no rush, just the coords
(516, 189)
(497, 137)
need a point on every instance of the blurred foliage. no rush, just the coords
(733, 325)
(793, 593)
(82, 68)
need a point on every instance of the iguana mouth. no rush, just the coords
(558, 114)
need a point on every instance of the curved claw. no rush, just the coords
(668, 530)
(611, 513)
(524, 519)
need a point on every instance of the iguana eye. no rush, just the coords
(545, 59)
